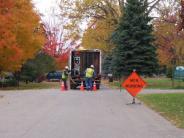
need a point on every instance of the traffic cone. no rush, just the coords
(62, 86)
(94, 86)
(82, 86)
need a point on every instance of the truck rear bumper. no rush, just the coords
(74, 83)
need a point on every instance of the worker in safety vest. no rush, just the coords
(89, 74)
(64, 77)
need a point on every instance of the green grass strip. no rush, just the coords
(171, 106)
(30, 85)
(157, 83)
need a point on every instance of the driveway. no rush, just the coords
(105, 113)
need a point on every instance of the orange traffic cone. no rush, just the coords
(94, 86)
(62, 86)
(82, 86)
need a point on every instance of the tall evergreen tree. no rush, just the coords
(107, 63)
(134, 41)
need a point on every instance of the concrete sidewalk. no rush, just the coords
(75, 114)
(152, 91)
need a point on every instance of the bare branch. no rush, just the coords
(153, 6)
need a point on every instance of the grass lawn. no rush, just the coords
(156, 83)
(171, 106)
(164, 83)
(42, 85)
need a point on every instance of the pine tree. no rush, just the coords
(134, 41)
(107, 61)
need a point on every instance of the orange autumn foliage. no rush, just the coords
(169, 39)
(62, 60)
(18, 40)
(10, 53)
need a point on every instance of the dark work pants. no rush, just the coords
(65, 84)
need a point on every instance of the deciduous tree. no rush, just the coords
(9, 50)
(20, 35)
(93, 12)
(29, 34)
(169, 34)
(97, 36)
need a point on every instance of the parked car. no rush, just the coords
(54, 76)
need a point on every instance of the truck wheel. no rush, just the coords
(98, 86)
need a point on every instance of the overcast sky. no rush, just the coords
(45, 6)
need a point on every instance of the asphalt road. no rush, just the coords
(74, 114)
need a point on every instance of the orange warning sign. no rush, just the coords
(134, 84)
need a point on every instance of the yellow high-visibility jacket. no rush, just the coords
(89, 72)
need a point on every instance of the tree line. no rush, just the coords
(148, 37)
(134, 34)
(22, 37)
